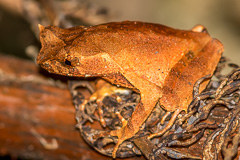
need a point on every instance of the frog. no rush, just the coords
(158, 62)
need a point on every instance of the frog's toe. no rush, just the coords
(101, 134)
(122, 136)
(114, 152)
(115, 133)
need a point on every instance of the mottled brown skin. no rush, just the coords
(159, 62)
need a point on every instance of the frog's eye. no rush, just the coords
(67, 62)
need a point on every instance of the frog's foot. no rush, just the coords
(100, 113)
(104, 89)
(122, 134)
(169, 125)
(121, 138)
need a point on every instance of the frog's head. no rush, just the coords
(73, 53)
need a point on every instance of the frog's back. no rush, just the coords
(168, 58)
(148, 50)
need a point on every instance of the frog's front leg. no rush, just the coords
(99, 92)
(138, 117)
(104, 89)
(150, 93)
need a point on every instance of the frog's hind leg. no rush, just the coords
(150, 94)
(130, 128)
(169, 125)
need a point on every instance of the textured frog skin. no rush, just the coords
(159, 62)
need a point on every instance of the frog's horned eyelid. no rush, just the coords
(199, 28)
(41, 27)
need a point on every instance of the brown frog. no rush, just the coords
(159, 62)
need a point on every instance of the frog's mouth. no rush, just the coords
(62, 68)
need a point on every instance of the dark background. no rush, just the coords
(18, 19)
(222, 18)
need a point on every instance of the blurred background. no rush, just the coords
(19, 19)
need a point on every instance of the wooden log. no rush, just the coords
(37, 115)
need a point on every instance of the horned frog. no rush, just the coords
(159, 62)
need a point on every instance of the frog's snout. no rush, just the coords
(40, 59)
